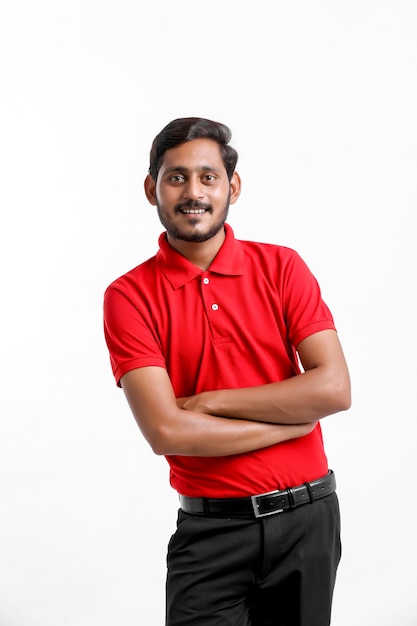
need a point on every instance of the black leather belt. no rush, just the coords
(263, 504)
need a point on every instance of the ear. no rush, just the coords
(235, 187)
(150, 189)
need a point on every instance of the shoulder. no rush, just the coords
(282, 265)
(273, 253)
(133, 277)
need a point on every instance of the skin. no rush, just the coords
(192, 194)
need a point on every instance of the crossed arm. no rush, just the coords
(258, 416)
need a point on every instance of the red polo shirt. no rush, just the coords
(234, 325)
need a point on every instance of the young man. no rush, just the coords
(205, 339)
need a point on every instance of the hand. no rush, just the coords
(198, 403)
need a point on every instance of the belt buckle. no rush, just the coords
(255, 504)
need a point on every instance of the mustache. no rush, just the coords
(193, 204)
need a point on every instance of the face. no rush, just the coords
(192, 192)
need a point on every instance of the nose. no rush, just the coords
(193, 188)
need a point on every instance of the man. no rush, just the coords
(229, 358)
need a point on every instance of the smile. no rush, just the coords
(193, 211)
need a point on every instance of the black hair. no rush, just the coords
(185, 129)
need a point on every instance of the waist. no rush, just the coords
(264, 504)
(286, 464)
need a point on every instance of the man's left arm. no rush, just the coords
(322, 389)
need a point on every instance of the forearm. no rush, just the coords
(302, 399)
(171, 430)
(195, 434)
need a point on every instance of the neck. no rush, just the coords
(200, 253)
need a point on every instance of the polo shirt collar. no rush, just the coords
(179, 270)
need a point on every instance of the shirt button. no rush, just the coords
(206, 280)
(214, 307)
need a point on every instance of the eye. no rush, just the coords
(209, 178)
(177, 178)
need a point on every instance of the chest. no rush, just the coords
(219, 331)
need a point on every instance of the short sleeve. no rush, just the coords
(131, 340)
(304, 309)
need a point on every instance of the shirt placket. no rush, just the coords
(212, 306)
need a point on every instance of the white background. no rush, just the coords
(321, 99)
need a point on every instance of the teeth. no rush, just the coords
(194, 211)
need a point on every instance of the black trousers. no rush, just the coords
(272, 571)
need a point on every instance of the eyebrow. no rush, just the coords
(185, 170)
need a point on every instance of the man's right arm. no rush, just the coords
(170, 430)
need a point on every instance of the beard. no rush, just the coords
(193, 236)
